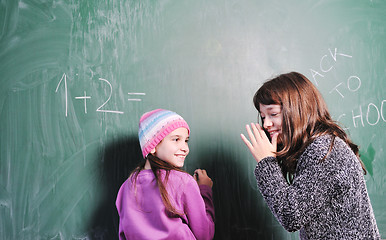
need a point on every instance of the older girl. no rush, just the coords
(308, 170)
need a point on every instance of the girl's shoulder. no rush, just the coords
(147, 174)
(323, 142)
(181, 176)
(316, 149)
(178, 179)
(138, 178)
(181, 182)
(319, 144)
(319, 148)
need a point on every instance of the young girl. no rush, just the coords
(310, 173)
(159, 200)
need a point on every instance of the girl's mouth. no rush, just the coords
(271, 133)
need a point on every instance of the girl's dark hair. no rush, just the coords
(156, 166)
(305, 116)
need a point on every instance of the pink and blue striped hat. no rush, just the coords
(155, 126)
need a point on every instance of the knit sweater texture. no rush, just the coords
(326, 200)
(143, 215)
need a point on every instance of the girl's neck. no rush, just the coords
(147, 165)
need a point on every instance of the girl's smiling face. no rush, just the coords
(272, 118)
(173, 148)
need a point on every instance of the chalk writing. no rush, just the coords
(85, 97)
(372, 109)
(322, 64)
(111, 92)
(349, 86)
(64, 76)
(135, 99)
(373, 115)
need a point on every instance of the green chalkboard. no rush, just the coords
(76, 75)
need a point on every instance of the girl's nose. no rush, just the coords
(185, 147)
(267, 123)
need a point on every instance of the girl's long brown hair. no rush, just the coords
(156, 166)
(304, 117)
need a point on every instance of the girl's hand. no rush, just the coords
(202, 177)
(260, 146)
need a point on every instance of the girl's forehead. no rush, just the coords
(179, 131)
(269, 107)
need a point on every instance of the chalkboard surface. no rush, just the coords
(77, 75)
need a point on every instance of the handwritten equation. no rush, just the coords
(374, 114)
(85, 97)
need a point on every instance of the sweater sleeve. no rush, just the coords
(206, 193)
(199, 210)
(294, 204)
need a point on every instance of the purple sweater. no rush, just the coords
(142, 214)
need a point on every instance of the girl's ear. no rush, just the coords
(152, 151)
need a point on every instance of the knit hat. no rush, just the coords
(155, 126)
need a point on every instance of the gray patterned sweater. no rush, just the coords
(326, 200)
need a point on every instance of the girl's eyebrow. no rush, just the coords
(273, 107)
(176, 135)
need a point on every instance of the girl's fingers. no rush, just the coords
(259, 132)
(245, 140)
(202, 177)
(195, 176)
(259, 144)
(249, 145)
(200, 172)
(256, 131)
(251, 136)
(255, 134)
(274, 141)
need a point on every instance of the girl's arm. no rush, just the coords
(293, 204)
(199, 209)
(301, 202)
(202, 178)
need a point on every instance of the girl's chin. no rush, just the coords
(271, 135)
(279, 139)
(180, 164)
